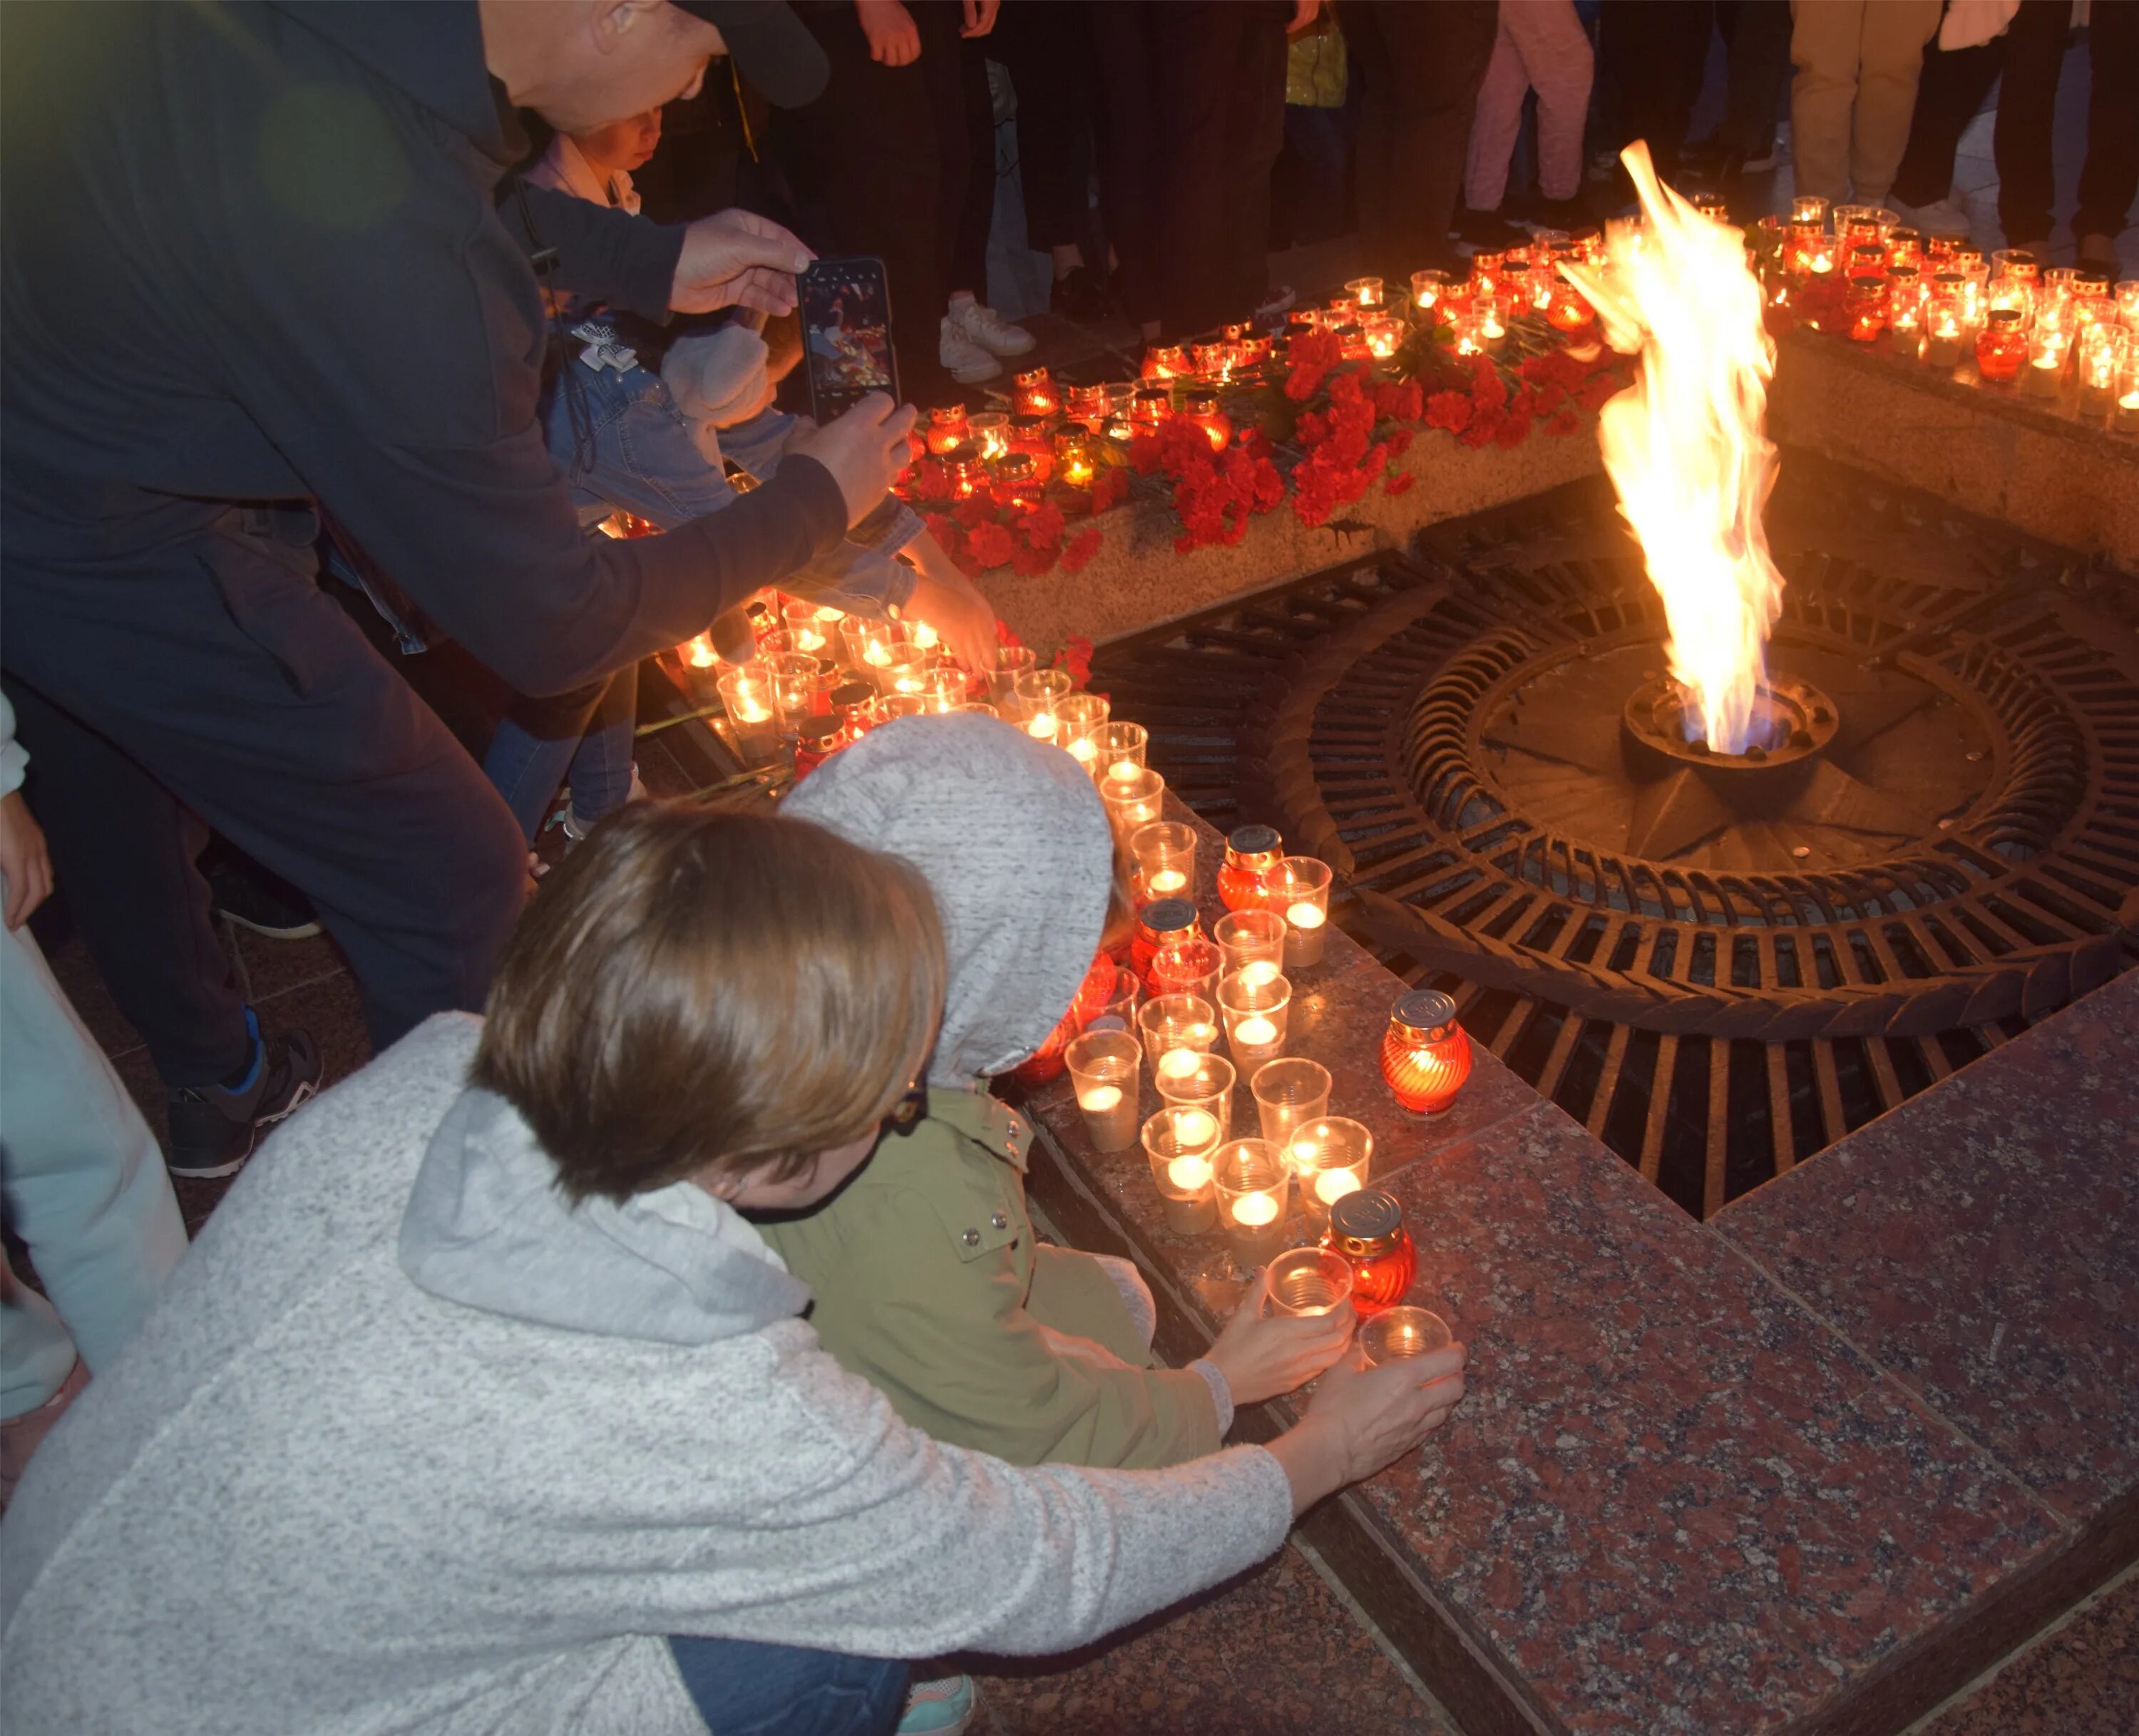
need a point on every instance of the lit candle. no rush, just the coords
(1196, 1127)
(1332, 1185)
(876, 652)
(1253, 1211)
(1099, 1099)
(1043, 727)
(1124, 769)
(1258, 971)
(1255, 1032)
(1167, 881)
(1178, 1064)
(1189, 1174)
(1082, 751)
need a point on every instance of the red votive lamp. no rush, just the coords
(2001, 347)
(1426, 1057)
(1201, 409)
(1367, 1229)
(1864, 306)
(1162, 922)
(815, 741)
(1034, 393)
(1251, 852)
(1152, 406)
(1090, 405)
(947, 429)
(1165, 361)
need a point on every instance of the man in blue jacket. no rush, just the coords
(260, 262)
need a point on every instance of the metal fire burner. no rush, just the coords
(1720, 964)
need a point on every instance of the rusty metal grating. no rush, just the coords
(1720, 978)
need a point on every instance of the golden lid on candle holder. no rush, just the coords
(1426, 1014)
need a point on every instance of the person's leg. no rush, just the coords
(1950, 90)
(1757, 67)
(1128, 147)
(1047, 45)
(125, 851)
(1200, 42)
(1497, 120)
(601, 769)
(746, 1688)
(1557, 57)
(1256, 140)
(1374, 153)
(1824, 46)
(222, 669)
(1089, 1296)
(1431, 61)
(85, 1183)
(967, 268)
(2035, 43)
(1658, 48)
(1891, 50)
(2110, 176)
(534, 749)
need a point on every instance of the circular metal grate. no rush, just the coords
(1720, 969)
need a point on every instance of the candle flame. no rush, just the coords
(1255, 1032)
(1253, 1210)
(1685, 448)
(1179, 1064)
(1099, 1099)
(700, 652)
(1195, 1126)
(1189, 1174)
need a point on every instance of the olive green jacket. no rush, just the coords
(930, 1283)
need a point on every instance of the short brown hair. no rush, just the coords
(693, 990)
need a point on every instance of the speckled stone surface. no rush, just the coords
(2082, 1681)
(1274, 1652)
(1982, 1246)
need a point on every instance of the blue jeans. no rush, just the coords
(584, 736)
(742, 1688)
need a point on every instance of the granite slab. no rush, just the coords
(1982, 1246)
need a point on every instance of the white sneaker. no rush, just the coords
(986, 327)
(1942, 216)
(968, 363)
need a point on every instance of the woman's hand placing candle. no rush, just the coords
(1360, 1421)
(1263, 1353)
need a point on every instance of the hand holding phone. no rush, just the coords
(864, 450)
(845, 307)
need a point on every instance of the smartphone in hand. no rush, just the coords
(845, 309)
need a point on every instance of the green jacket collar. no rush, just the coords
(984, 1120)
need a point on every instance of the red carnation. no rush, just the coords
(1449, 410)
(990, 544)
(1398, 484)
(1081, 548)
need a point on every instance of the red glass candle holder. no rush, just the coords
(1090, 405)
(1864, 307)
(1165, 361)
(2001, 347)
(1035, 394)
(1251, 852)
(1426, 1057)
(1152, 406)
(1163, 922)
(1367, 1229)
(1201, 409)
(947, 428)
(816, 742)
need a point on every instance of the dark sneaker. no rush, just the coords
(214, 1127)
(248, 895)
(1489, 230)
(1081, 296)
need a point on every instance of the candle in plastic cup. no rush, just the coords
(1117, 752)
(1035, 694)
(1398, 1332)
(1165, 853)
(1256, 1008)
(1011, 660)
(1179, 1143)
(1132, 802)
(1208, 1086)
(1077, 718)
(1331, 1156)
(1287, 1093)
(1299, 887)
(1310, 1281)
(1251, 1186)
(1104, 1066)
(1251, 939)
(748, 693)
(1183, 1026)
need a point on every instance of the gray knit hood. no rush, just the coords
(487, 1226)
(1014, 842)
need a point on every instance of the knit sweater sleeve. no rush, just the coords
(880, 1541)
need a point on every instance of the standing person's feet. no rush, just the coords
(985, 327)
(1081, 296)
(2098, 253)
(1562, 214)
(245, 893)
(214, 1127)
(1489, 230)
(1942, 216)
(963, 359)
(20, 1436)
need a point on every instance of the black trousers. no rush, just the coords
(1948, 91)
(2035, 43)
(1422, 66)
(1757, 34)
(968, 264)
(1047, 47)
(883, 157)
(212, 669)
(1655, 52)
(1194, 119)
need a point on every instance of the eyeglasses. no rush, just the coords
(910, 1111)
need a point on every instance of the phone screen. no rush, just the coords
(846, 334)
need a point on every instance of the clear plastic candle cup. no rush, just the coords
(1011, 660)
(1176, 1031)
(1118, 751)
(1133, 801)
(1251, 1187)
(1251, 940)
(1036, 694)
(1104, 1066)
(904, 672)
(1180, 1143)
(1401, 1331)
(1288, 1094)
(865, 645)
(1119, 1012)
(1256, 1009)
(797, 687)
(1299, 890)
(1076, 718)
(1208, 1086)
(1310, 1281)
(1165, 853)
(747, 691)
(811, 634)
(1331, 1156)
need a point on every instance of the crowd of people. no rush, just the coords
(488, 1401)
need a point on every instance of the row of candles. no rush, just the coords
(1943, 301)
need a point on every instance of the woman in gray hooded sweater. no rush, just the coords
(479, 1407)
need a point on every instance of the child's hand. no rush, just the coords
(946, 599)
(1262, 1355)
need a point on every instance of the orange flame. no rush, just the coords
(1685, 446)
